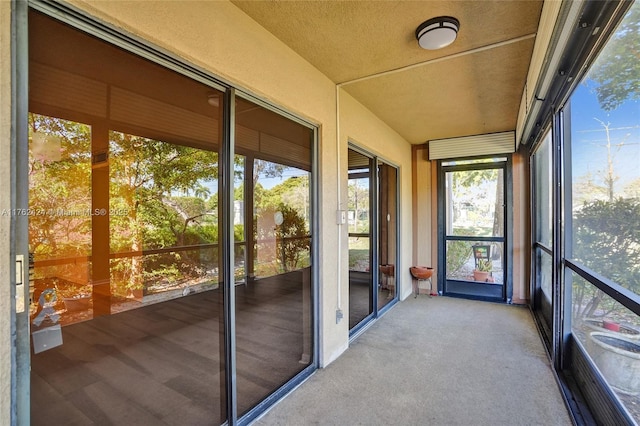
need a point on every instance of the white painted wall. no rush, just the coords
(362, 127)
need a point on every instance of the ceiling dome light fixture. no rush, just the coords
(437, 33)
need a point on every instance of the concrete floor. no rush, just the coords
(434, 361)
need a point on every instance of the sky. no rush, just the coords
(588, 136)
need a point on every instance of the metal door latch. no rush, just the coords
(20, 303)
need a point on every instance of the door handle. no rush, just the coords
(20, 302)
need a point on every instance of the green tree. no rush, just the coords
(293, 191)
(283, 247)
(617, 69)
(606, 240)
(358, 202)
(147, 178)
(59, 193)
(266, 169)
(462, 181)
(292, 238)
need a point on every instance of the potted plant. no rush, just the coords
(482, 271)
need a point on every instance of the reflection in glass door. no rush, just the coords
(272, 223)
(373, 222)
(132, 266)
(474, 237)
(126, 319)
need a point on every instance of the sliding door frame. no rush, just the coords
(374, 231)
(373, 240)
(19, 238)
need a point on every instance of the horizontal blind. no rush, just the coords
(472, 146)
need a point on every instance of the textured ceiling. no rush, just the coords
(471, 87)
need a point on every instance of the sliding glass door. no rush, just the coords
(136, 315)
(372, 220)
(272, 223)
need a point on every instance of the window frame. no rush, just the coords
(584, 388)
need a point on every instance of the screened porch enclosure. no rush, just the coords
(177, 204)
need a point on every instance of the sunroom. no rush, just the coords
(209, 201)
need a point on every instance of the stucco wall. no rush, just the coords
(5, 167)
(521, 229)
(361, 127)
(424, 210)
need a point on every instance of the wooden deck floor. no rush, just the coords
(161, 364)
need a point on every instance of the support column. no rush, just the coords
(100, 222)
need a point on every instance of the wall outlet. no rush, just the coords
(339, 316)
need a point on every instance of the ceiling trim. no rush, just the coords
(441, 59)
